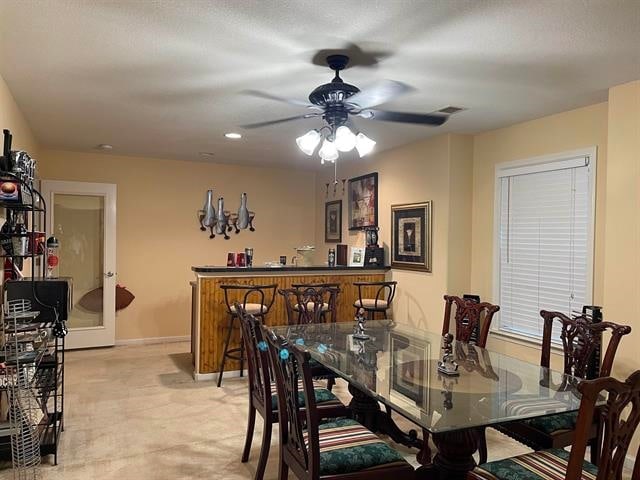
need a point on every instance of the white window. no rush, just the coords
(544, 239)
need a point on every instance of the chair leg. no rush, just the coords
(224, 353)
(482, 445)
(330, 383)
(241, 356)
(594, 445)
(247, 441)
(283, 470)
(264, 449)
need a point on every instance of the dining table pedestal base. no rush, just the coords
(366, 410)
(455, 455)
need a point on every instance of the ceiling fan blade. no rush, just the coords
(268, 96)
(435, 119)
(379, 93)
(274, 122)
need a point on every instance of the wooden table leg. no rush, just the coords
(455, 455)
(367, 411)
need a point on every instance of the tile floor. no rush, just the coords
(135, 413)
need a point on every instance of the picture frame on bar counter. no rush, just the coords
(411, 240)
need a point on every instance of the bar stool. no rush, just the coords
(380, 303)
(258, 308)
(326, 294)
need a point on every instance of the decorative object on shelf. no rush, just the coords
(231, 259)
(411, 236)
(448, 366)
(241, 260)
(374, 254)
(283, 260)
(335, 102)
(223, 221)
(342, 255)
(363, 201)
(248, 253)
(331, 257)
(53, 257)
(333, 221)
(304, 256)
(356, 256)
(359, 329)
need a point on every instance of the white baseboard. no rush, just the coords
(204, 377)
(152, 340)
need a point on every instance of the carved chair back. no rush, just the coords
(470, 317)
(258, 360)
(244, 294)
(299, 437)
(580, 339)
(619, 419)
(309, 304)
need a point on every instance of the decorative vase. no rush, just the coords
(243, 213)
(209, 218)
(221, 219)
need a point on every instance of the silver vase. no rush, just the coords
(209, 219)
(221, 220)
(243, 213)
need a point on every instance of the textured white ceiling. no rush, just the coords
(162, 78)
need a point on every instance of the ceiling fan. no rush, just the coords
(335, 102)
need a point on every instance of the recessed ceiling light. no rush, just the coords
(104, 146)
(206, 154)
(233, 135)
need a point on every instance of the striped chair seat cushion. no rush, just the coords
(546, 423)
(542, 465)
(346, 446)
(323, 396)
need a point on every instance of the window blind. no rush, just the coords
(544, 243)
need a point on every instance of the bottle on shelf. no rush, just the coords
(5, 234)
(20, 238)
(53, 259)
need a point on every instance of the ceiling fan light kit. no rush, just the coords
(335, 102)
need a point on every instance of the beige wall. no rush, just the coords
(11, 117)
(433, 170)
(622, 237)
(158, 237)
(583, 127)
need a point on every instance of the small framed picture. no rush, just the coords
(333, 221)
(363, 201)
(356, 257)
(411, 236)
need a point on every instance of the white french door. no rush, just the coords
(82, 216)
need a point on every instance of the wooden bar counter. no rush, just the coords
(209, 317)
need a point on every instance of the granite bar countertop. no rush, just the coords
(286, 268)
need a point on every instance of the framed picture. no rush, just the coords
(333, 221)
(363, 201)
(410, 368)
(411, 236)
(356, 257)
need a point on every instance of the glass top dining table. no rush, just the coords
(398, 366)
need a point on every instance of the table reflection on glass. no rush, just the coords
(398, 366)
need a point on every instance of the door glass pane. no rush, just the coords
(79, 225)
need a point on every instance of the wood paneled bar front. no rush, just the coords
(210, 318)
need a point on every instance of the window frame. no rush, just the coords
(533, 165)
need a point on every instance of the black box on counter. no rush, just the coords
(44, 294)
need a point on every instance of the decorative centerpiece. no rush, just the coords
(448, 366)
(358, 331)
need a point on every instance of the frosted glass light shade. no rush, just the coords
(309, 141)
(345, 139)
(328, 151)
(364, 144)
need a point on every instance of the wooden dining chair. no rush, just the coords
(472, 323)
(472, 319)
(262, 390)
(311, 303)
(580, 339)
(340, 449)
(618, 419)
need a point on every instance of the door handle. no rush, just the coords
(109, 274)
